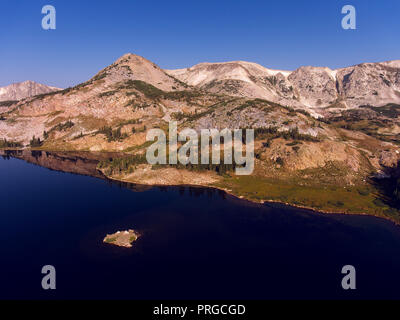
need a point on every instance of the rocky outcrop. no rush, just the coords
(370, 84)
(122, 238)
(315, 87)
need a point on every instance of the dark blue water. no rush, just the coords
(196, 243)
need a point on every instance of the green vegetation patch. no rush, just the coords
(108, 93)
(153, 92)
(62, 126)
(390, 110)
(110, 240)
(112, 135)
(319, 197)
(10, 144)
(7, 103)
(121, 165)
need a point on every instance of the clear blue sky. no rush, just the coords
(91, 34)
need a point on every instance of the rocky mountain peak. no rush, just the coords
(134, 67)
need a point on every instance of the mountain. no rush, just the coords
(314, 89)
(134, 67)
(300, 158)
(127, 89)
(21, 90)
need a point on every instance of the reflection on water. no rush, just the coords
(73, 162)
(85, 163)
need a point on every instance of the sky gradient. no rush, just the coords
(176, 34)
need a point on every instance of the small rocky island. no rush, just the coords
(122, 238)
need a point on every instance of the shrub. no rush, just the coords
(279, 161)
(178, 116)
(363, 192)
(35, 142)
(112, 135)
(147, 89)
(378, 203)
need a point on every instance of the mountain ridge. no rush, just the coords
(308, 87)
(21, 90)
(134, 81)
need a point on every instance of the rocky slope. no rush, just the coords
(21, 90)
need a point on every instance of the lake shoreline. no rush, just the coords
(264, 201)
(205, 184)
